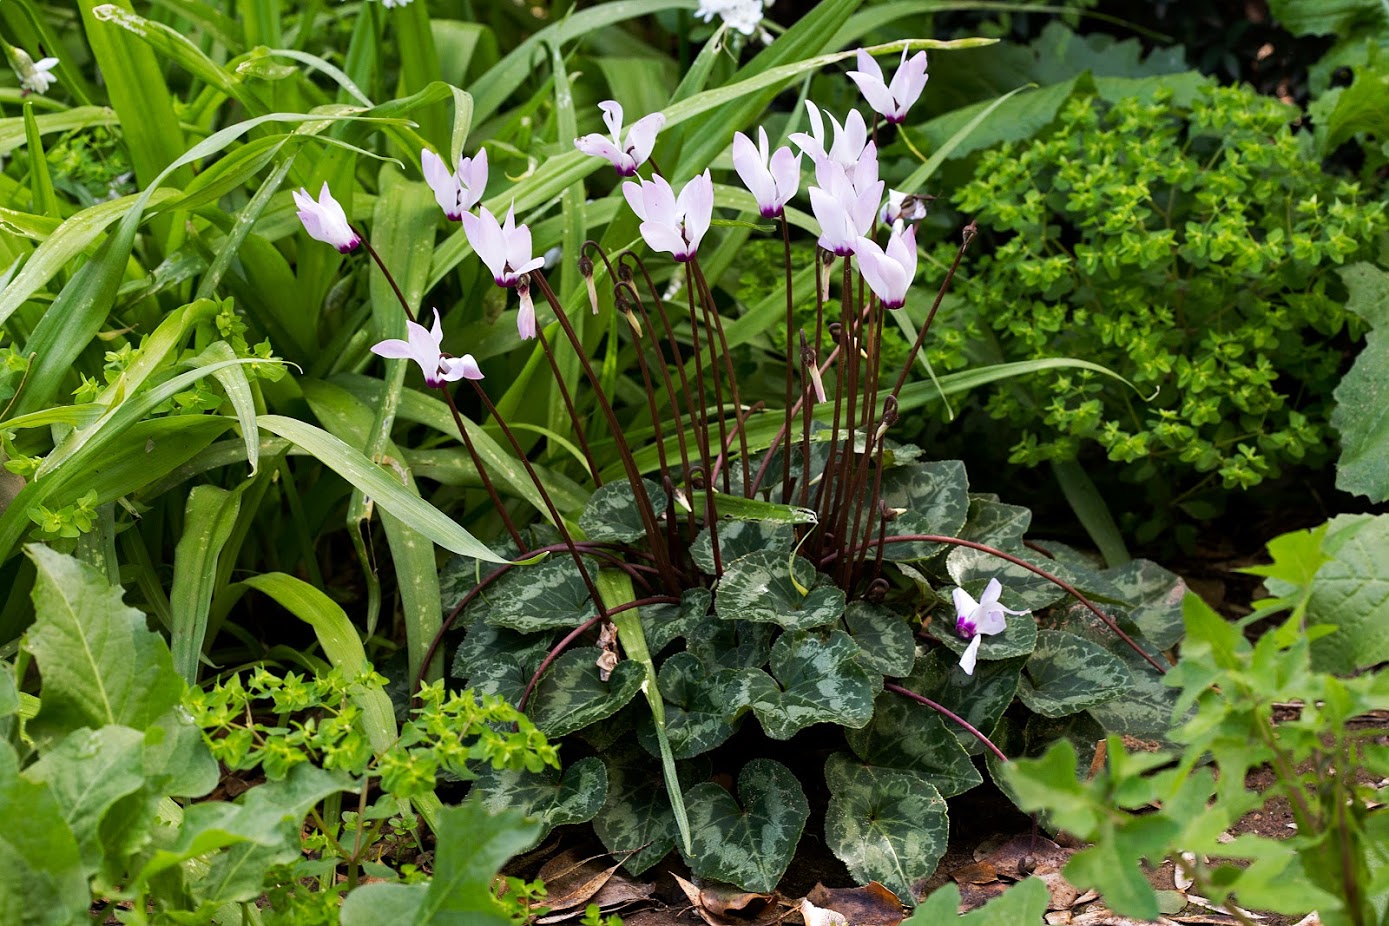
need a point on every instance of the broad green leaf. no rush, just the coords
(979, 699)
(42, 882)
(1154, 597)
(548, 595)
(1325, 17)
(1023, 904)
(663, 623)
(760, 587)
(993, 523)
(387, 492)
(884, 637)
(818, 680)
(499, 675)
(209, 516)
(748, 841)
(1360, 415)
(570, 695)
(486, 642)
(611, 513)
(637, 818)
(730, 644)
(87, 772)
(1023, 589)
(936, 498)
(1351, 592)
(549, 797)
(99, 662)
(910, 737)
(885, 825)
(739, 538)
(694, 713)
(1067, 674)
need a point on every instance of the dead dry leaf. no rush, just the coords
(1022, 855)
(725, 905)
(571, 880)
(870, 905)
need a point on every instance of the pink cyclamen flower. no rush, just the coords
(625, 157)
(773, 178)
(455, 191)
(975, 619)
(889, 273)
(324, 220)
(891, 100)
(669, 223)
(423, 347)
(505, 248)
(849, 140)
(845, 204)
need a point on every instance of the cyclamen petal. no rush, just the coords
(423, 347)
(504, 248)
(325, 219)
(670, 223)
(443, 182)
(772, 180)
(889, 273)
(627, 156)
(891, 101)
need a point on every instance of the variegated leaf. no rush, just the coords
(612, 515)
(661, 624)
(545, 596)
(936, 498)
(731, 644)
(1066, 674)
(738, 539)
(885, 639)
(979, 699)
(758, 587)
(636, 818)
(818, 680)
(554, 799)
(749, 841)
(694, 712)
(908, 736)
(571, 695)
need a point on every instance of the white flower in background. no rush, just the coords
(625, 157)
(891, 101)
(33, 75)
(743, 15)
(388, 4)
(455, 191)
(423, 347)
(975, 619)
(325, 220)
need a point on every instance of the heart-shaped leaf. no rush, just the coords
(908, 736)
(663, 623)
(818, 680)
(979, 699)
(611, 513)
(936, 498)
(694, 715)
(1154, 597)
(739, 538)
(731, 644)
(551, 798)
(885, 825)
(758, 587)
(748, 841)
(637, 818)
(1066, 674)
(996, 524)
(545, 596)
(500, 675)
(485, 642)
(570, 695)
(884, 638)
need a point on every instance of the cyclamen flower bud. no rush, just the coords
(325, 220)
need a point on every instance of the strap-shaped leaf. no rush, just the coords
(908, 736)
(570, 696)
(748, 841)
(552, 798)
(818, 680)
(1067, 674)
(885, 825)
(759, 587)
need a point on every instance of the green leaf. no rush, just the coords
(1326, 17)
(993, 523)
(885, 639)
(936, 498)
(99, 662)
(549, 595)
(637, 818)
(1154, 597)
(209, 516)
(548, 797)
(908, 736)
(386, 491)
(1360, 415)
(1023, 589)
(750, 841)
(818, 680)
(739, 538)
(663, 623)
(979, 699)
(1023, 904)
(759, 587)
(694, 709)
(484, 643)
(730, 644)
(1066, 674)
(885, 825)
(41, 878)
(1351, 592)
(611, 514)
(570, 695)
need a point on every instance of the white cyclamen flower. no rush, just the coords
(975, 619)
(891, 100)
(742, 15)
(34, 76)
(627, 156)
(424, 347)
(455, 191)
(325, 220)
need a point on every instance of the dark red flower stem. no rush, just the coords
(482, 472)
(950, 715)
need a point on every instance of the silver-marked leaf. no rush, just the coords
(748, 841)
(662, 624)
(979, 699)
(1017, 639)
(694, 710)
(936, 498)
(1067, 674)
(908, 736)
(636, 818)
(1022, 588)
(731, 644)
(545, 596)
(552, 798)
(884, 637)
(885, 825)
(758, 587)
(1154, 597)
(818, 680)
(996, 524)
(739, 538)
(499, 675)
(612, 515)
(570, 695)
(484, 642)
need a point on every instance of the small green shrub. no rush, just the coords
(1186, 245)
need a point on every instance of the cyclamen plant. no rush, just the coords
(790, 565)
